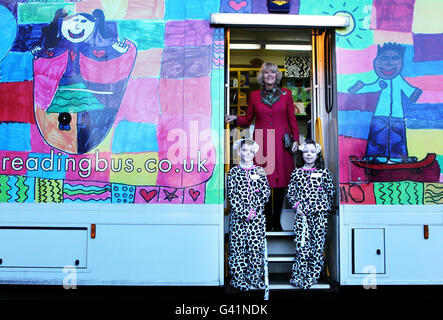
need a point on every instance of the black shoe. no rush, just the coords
(277, 227)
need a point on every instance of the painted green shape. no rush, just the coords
(146, 34)
(71, 99)
(41, 12)
(4, 188)
(400, 192)
(40, 194)
(410, 192)
(214, 187)
(345, 81)
(440, 162)
(49, 190)
(56, 191)
(79, 191)
(22, 193)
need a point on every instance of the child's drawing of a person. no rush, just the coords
(387, 133)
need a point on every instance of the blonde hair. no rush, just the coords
(269, 66)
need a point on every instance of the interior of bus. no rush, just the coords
(305, 57)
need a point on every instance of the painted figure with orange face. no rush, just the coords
(387, 133)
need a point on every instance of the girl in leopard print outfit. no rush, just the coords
(310, 193)
(248, 191)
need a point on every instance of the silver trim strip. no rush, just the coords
(279, 20)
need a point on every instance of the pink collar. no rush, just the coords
(308, 169)
(250, 168)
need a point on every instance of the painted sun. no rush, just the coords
(357, 34)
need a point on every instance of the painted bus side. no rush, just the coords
(139, 155)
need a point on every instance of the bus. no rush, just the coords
(114, 151)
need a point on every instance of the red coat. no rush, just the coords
(275, 120)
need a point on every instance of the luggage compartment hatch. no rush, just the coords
(42, 247)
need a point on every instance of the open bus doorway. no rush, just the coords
(305, 57)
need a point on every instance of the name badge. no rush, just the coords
(254, 176)
(316, 175)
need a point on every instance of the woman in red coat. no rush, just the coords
(273, 110)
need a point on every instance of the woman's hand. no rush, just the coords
(294, 146)
(230, 118)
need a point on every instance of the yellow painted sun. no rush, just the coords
(357, 34)
(348, 29)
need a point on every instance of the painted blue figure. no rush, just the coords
(387, 132)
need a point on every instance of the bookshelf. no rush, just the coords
(242, 81)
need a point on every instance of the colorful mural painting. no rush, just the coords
(110, 101)
(120, 101)
(389, 64)
(390, 109)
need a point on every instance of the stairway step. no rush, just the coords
(284, 233)
(281, 258)
(287, 286)
(280, 281)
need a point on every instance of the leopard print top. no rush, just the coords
(248, 189)
(312, 189)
